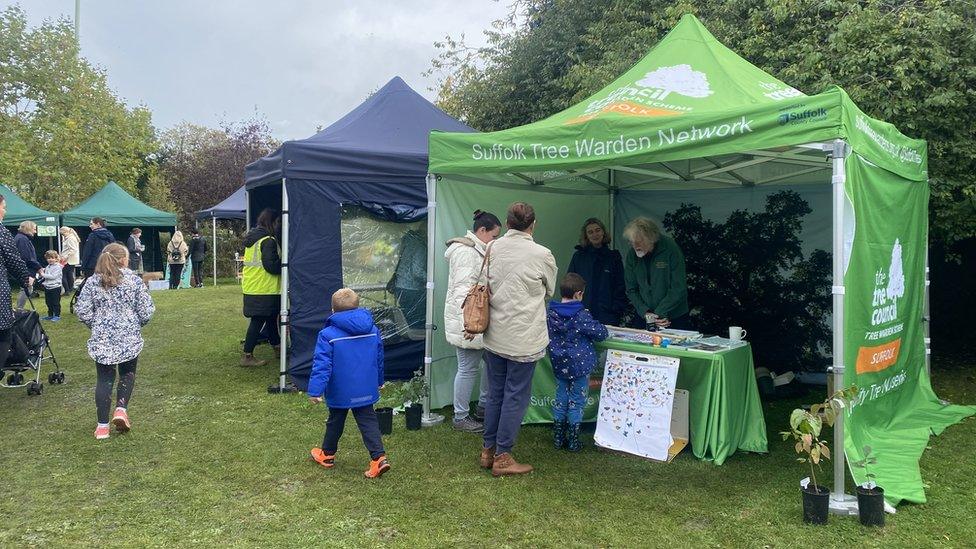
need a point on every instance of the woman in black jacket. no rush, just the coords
(603, 270)
(11, 266)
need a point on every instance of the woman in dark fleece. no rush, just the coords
(603, 271)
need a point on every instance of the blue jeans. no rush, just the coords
(509, 391)
(570, 400)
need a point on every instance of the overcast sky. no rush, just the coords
(300, 63)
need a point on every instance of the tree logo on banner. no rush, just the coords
(680, 79)
(889, 287)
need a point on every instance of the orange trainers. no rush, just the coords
(323, 459)
(102, 432)
(377, 467)
(121, 421)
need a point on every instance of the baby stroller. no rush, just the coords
(29, 348)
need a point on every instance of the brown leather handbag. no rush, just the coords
(475, 306)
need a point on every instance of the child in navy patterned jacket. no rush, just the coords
(347, 370)
(572, 331)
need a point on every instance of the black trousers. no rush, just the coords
(196, 278)
(175, 274)
(68, 278)
(103, 387)
(261, 326)
(369, 428)
(5, 339)
(52, 297)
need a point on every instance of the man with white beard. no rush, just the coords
(654, 274)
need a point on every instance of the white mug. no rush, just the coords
(736, 333)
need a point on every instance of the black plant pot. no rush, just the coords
(414, 414)
(870, 506)
(815, 505)
(385, 418)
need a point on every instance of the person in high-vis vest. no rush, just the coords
(261, 285)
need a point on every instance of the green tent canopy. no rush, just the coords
(122, 212)
(19, 210)
(694, 122)
(119, 208)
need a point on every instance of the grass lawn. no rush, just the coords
(214, 460)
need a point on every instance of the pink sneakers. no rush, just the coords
(101, 432)
(121, 421)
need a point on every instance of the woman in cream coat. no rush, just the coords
(523, 276)
(465, 256)
(70, 246)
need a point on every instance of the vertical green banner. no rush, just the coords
(896, 409)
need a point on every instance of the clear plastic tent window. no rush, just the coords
(386, 264)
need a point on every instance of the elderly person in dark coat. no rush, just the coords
(25, 247)
(11, 266)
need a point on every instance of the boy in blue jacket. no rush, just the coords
(348, 370)
(572, 331)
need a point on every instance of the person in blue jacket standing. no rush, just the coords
(572, 331)
(98, 238)
(348, 370)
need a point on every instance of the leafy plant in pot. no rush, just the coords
(414, 392)
(870, 496)
(805, 428)
(391, 395)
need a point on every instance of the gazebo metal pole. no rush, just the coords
(429, 418)
(214, 250)
(840, 502)
(927, 316)
(282, 386)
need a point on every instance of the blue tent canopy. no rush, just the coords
(375, 158)
(232, 207)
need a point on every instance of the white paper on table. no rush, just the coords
(635, 404)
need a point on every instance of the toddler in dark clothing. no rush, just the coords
(572, 331)
(347, 370)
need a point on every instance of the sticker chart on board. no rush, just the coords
(636, 403)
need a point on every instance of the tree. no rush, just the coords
(906, 62)
(63, 132)
(202, 166)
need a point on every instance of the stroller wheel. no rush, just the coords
(15, 378)
(35, 388)
(60, 378)
(52, 378)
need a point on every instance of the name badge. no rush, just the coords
(661, 265)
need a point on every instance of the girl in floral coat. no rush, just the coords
(115, 304)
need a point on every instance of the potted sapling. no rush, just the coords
(414, 392)
(870, 496)
(390, 396)
(805, 428)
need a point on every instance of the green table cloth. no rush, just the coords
(724, 410)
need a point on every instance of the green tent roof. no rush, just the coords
(117, 207)
(19, 210)
(689, 98)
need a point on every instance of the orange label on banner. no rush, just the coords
(875, 359)
(626, 107)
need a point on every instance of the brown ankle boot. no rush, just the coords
(505, 464)
(249, 360)
(487, 457)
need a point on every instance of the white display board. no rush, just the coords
(636, 403)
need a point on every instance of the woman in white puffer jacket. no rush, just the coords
(464, 256)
